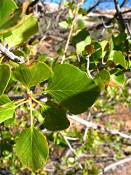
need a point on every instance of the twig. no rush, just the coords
(85, 134)
(68, 40)
(126, 11)
(99, 2)
(17, 97)
(119, 14)
(128, 30)
(128, 81)
(110, 20)
(10, 55)
(71, 31)
(71, 148)
(123, 3)
(39, 97)
(86, 129)
(93, 6)
(98, 127)
(72, 138)
(105, 26)
(114, 165)
(88, 66)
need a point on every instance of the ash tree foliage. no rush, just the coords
(63, 88)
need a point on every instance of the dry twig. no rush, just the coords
(114, 165)
(10, 55)
(71, 30)
(98, 127)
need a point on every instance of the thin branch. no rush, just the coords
(108, 22)
(119, 14)
(123, 3)
(114, 165)
(68, 40)
(96, 3)
(128, 30)
(16, 97)
(98, 127)
(71, 148)
(11, 55)
(39, 97)
(86, 129)
(93, 6)
(72, 138)
(88, 66)
(126, 11)
(71, 30)
(128, 81)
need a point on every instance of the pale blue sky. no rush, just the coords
(103, 5)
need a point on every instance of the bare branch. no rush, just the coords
(114, 165)
(39, 97)
(71, 30)
(93, 6)
(11, 55)
(71, 148)
(108, 22)
(119, 15)
(98, 127)
(123, 3)
(88, 66)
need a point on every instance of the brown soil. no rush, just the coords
(124, 170)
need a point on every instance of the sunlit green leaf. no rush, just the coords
(118, 58)
(81, 21)
(32, 75)
(83, 35)
(117, 76)
(7, 108)
(102, 78)
(11, 23)
(6, 9)
(22, 32)
(32, 148)
(80, 47)
(64, 24)
(4, 77)
(81, 40)
(72, 88)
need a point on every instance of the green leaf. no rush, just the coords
(102, 78)
(64, 25)
(32, 148)
(11, 23)
(6, 9)
(72, 88)
(4, 77)
(7, 108)
(118, 41)
(118, 58)
(97, 54)
(81, 40)
(32, 75)
(24, 30)
(81, 21)
(81, 36)
(56, 119)
(80, 47)
(105, 47)
(118, 77)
